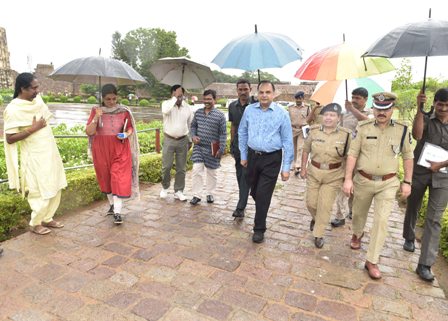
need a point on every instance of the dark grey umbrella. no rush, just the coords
(419, 39)
(97, 69)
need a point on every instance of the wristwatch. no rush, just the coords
(407, 182)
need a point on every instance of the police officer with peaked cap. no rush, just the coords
(297, 115)
(373, 157)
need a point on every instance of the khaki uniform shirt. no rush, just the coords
(317, 116)
(350, 121)
(328, 148)
(377, 149)
(298, 118)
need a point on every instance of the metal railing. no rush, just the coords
(157, 147)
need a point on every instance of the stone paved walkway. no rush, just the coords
(171, 261)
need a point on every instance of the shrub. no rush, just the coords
(143, 103)
(46, 99)
(1, 100)
(124, 101)
(51, 98)
(91, 100)
(63, 99)
(222, 101)
(77, 99)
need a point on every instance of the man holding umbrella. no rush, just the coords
(432, 130)
(177, 116)
(236, 110)
(374, 154)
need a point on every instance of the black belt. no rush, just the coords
(175, 138)
(259, 153)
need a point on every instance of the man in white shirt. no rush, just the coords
(177, 116)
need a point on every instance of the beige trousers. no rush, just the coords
(383, 195)
(198, 179)
(322, 187)
(344, 205)
(298, 142)
(43, 210)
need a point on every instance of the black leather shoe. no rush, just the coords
(118, 219)
(338, 222)
(238, 213)
(409, 246)
(258, 237)
(312, 225)
(195, 200)
(424, 272)
(210, 199)
(350, 216)
(111, 210)
(319, 242)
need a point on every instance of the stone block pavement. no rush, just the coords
(172, 261)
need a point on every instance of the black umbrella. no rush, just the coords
(419, 39)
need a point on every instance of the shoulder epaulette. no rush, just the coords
(315, 126)
(365, 122)
(345, 130)
(401, 122)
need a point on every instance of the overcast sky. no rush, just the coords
(59, 31)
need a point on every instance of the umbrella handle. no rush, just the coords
(427, 113)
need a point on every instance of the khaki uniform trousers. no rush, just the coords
(344, 205)
(298, 142)
(322, 187)
(383, 194)
(42, 209)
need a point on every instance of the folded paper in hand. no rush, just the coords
(433, 153)
(215, 147)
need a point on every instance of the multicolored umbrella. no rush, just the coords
(257, 51)
(341, 62)
(333, 91)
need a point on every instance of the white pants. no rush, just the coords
(198, 180)
(43, 210)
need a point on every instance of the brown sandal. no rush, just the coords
(39, 229)
(53, 223)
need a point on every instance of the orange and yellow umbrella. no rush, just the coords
(341, 62)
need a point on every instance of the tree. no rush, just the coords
(89, 89)
(252, 76)
(141, 47)
(403, 77)
(224, 78)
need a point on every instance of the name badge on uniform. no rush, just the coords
(371, 137)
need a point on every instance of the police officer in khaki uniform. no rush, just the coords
(298, 114)
(315, 116)
(373, 155)
(327, 144)
(355, 111)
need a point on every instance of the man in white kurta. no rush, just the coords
(40, 173)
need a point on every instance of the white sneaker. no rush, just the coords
(163, 193)
(180, 196)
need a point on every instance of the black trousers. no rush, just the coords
(262, 174)
(243, 186)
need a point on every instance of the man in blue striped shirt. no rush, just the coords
(264, 132)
